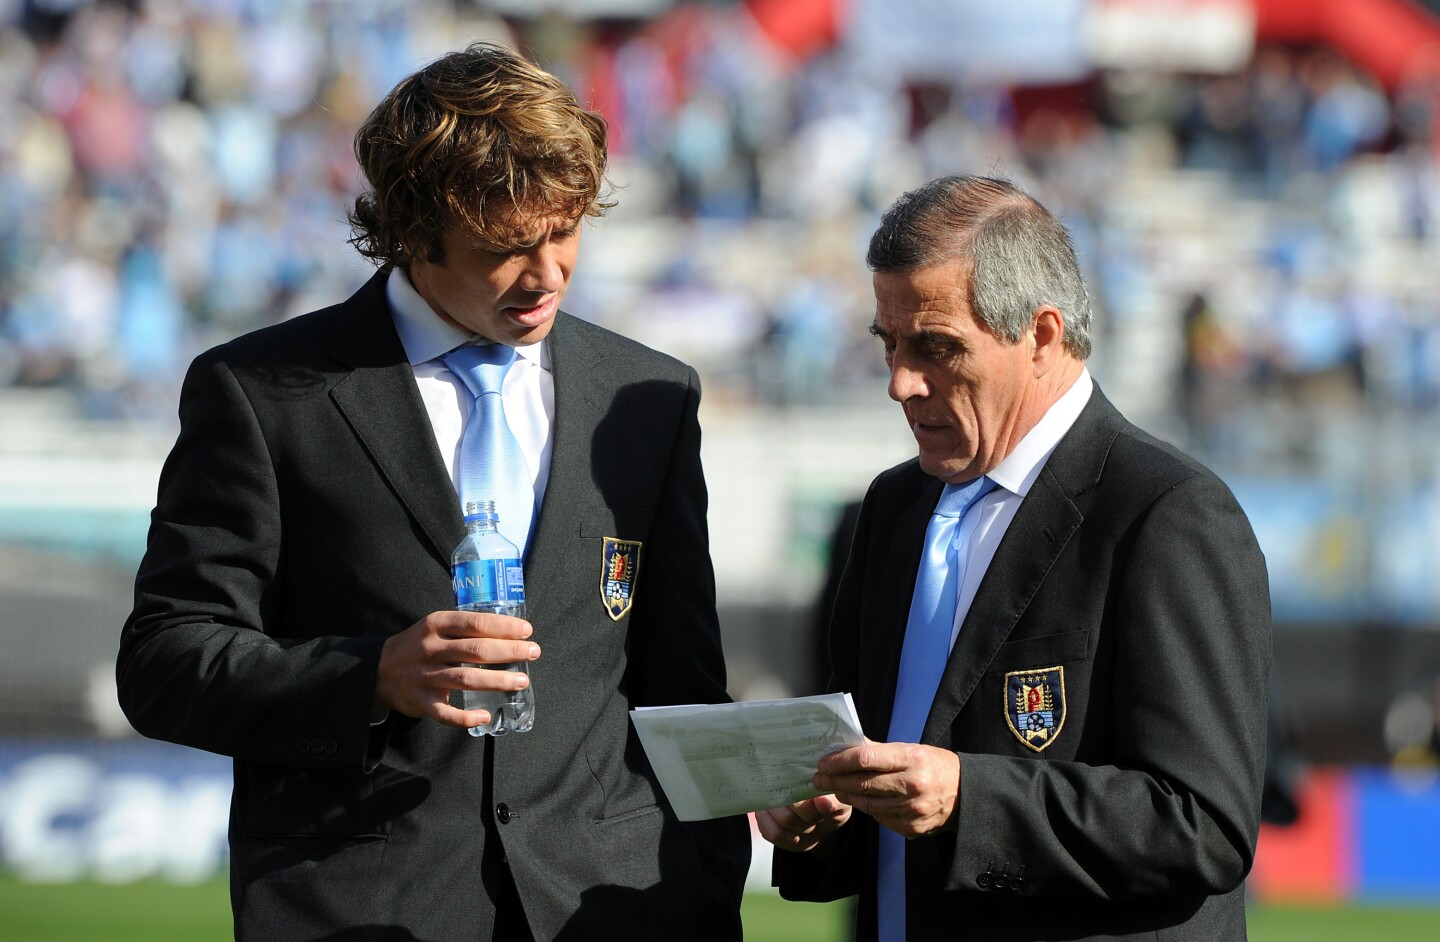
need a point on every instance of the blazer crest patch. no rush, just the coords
(1035, 705)
(620, 566)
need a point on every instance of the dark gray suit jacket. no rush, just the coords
(1129, 589)
(304, 515)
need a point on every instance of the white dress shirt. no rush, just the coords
(986, 522)
(528, 393)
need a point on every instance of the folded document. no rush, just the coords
(729, 758)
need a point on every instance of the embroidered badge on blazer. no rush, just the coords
(620, 567)
(1035, 705)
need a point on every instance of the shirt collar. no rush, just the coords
(424, 335)
(1022, 466)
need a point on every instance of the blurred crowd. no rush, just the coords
(173, 172)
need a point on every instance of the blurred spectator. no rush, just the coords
(1346, 115)
(1211, 370)
(175, 171)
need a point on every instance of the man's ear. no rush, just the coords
(1047, 327)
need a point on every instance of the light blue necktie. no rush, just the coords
(492, 465)
(922, 661)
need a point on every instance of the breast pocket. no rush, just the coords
(1064, 647)
(621, 523)
(1029, 694)
(619, 534)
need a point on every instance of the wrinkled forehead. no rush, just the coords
(943, 288)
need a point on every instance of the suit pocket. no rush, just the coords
(627, 815)
(1053, 650)
(634, 846)
(1032, 699)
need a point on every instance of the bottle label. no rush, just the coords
(488, 582)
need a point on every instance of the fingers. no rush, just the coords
(909, 788)
(473, 638)
(443, 712)
(475, 677)
(831, 806)
(772, 826)
(870, 757)
(484, 651)
(872, 769)
(476, 625)
(437, 703)
(803, 825)
(447, 651)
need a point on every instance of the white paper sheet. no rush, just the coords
(730, 758)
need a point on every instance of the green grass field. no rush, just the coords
(155, 912)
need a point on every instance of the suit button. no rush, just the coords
(302, 744)
(317, 745)
(330, 747)
(985, 879)
(502, 813)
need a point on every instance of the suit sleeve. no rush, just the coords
(1176, 813)
(838, 867)
(675, 650)
(201, 660)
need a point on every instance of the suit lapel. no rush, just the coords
(579, 407)
(902, 563)
(1041, 528)
(1047, 519)
(382, 405)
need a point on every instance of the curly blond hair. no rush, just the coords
(481, 141)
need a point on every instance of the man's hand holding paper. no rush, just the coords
(801, 826)
(731, 758)
(909, 788)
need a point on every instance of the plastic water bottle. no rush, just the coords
(487, 577)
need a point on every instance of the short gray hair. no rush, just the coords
(1020, 255)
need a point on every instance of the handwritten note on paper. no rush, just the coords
(730, 758)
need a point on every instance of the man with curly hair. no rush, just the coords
(294, 608)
